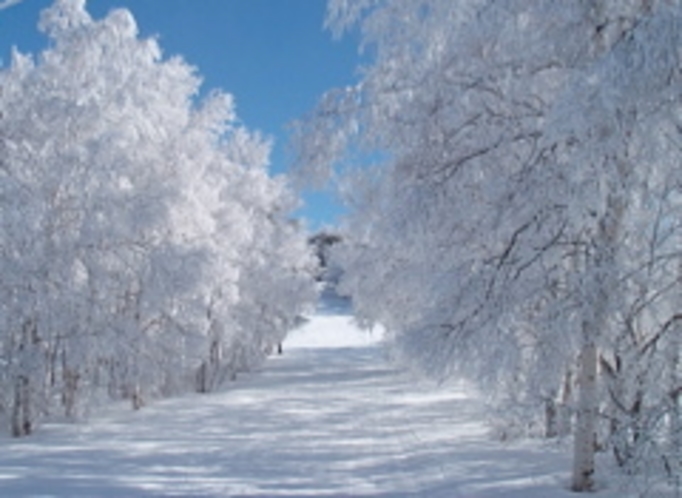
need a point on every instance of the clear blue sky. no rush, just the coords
(273, 55)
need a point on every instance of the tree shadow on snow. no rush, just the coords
(331, 423)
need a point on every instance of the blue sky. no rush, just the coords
(273, 55)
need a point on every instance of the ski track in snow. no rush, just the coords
(329, 418)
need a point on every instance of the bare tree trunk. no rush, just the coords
(565, 411)
(201, 378)
(675, 423)
(137, 399)
(26, 409)
(585, 430)
(17, 429)
(551, 417)
(208, 373)
(22, 415)
(22, 424)
(70, 392)
(600, 268)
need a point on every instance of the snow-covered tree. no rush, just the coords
(525, 150)
(130, 211)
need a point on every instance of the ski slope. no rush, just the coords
(329, 418)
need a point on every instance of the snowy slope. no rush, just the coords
(328, 418)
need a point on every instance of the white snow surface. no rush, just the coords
(328, 418)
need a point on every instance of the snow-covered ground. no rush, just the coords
(328, 418)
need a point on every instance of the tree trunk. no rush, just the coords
(600, 270)
(22, 416)
(17, 430)
(70, 391)
(136, 399)
(201, 378)
(565, 410)
(21, 410)
(585, 430)
(551, 417)
(26, 411)
(675, 422)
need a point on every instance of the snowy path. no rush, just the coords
(329, 418)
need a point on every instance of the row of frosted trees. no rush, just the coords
(522, 223)
(144, 250)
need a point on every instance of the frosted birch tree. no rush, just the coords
(125, 235)
(519, 141)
